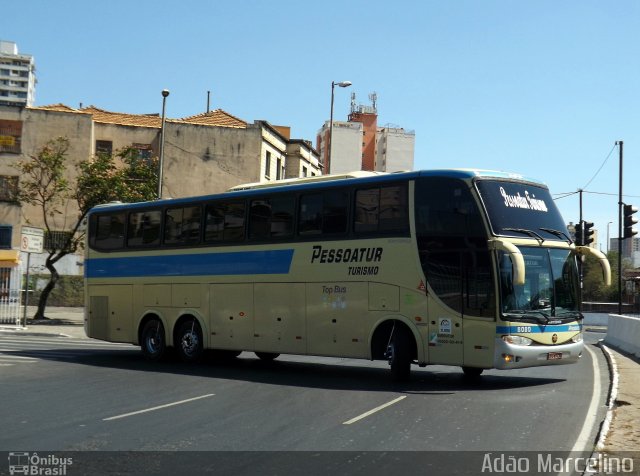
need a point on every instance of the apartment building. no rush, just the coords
(17, 76)
(360, 144)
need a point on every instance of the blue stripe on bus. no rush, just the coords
(201, 264)
(537, 329)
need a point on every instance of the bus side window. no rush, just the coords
(109, 233)
(335, 211)
(259, 218)
(182, 226)
(224, 222)
(310, 216)
(393, 208)
(367, 210)
(144, 228)
(382, 209)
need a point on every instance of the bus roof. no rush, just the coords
(321, 181)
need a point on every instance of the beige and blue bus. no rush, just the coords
(466, 268)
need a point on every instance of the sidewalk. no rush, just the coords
(63, 321)
(624, 429)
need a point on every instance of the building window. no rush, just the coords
(145, 152)
(8, 188)
(5, 236)
(104, 147)
(267, 165)
(56, 240)
(10, 136)
(279, 169)
(304, 171)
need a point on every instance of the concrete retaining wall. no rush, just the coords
(623, 332)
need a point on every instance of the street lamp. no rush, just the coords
(342, 84)
(165, 93)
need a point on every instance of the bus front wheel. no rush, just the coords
(152, 340)
(189, 341)
(399, 353)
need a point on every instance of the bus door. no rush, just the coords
(445, 339)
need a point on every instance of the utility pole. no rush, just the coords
(620, 145)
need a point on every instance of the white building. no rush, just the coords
(395, 149)
(17, 76)
(359, 144)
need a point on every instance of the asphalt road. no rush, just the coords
(61, 394)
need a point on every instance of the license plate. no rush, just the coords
(554, 355)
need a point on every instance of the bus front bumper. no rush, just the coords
(510, 356)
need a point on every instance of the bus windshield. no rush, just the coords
(510, 204)
(550, 288)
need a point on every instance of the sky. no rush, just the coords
(543, 88)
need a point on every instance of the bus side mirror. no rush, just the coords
(604, 262)
(517, 260)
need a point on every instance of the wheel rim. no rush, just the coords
(189, 343)
(154, 341)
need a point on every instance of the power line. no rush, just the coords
(604, 162)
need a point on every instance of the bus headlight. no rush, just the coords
(517, 340)
(577, 338)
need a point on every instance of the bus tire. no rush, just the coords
(472, 372)
(267, 356)
(188, 341)
(400, 354)
(152, 340)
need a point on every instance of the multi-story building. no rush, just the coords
(359, 144)
(203, 154)
(17, 77)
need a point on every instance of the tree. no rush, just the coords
(101, 179)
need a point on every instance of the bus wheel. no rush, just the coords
(189, 341)
(152, 340)
(399, 353)
(267, 356)
(472, 372)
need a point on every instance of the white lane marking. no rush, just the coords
(62, 341)
(9, 356)
(376, 409)
(583, 442)
(159, 407)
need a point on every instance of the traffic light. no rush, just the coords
(629, 221)
(579, 233)
(587, 233)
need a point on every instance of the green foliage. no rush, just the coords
(594, 288)
(102, 179)
(105, 179)
(69, 291)
(42, 182)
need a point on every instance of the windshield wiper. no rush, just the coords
(526, 232)
(558, 233)
(539, 316)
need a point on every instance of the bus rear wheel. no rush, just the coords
(399, 354)
(189, 341)
(267, 356)
(152, 340)
(472, 372)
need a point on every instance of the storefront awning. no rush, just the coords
(9, 258)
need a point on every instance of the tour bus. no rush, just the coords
(467, 268)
